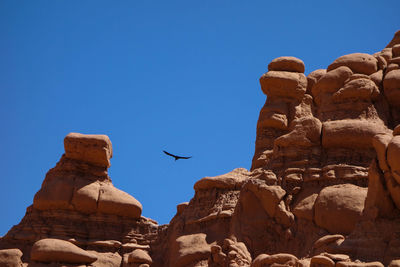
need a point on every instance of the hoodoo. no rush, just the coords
(323, 188)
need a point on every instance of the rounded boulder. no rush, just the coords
(350, 133)
(56, 250)
(391, 85)
(139, 256)
(313, 78)
(396, 50)
(118, 202)
(331, 81)
(291, 64)
(357, 62)
(362, 89)
(321, 260)
(284, 84)
(339, 207)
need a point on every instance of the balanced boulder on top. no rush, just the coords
(292, 64)
(75, 184)
(91, 148)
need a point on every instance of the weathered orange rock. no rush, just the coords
(394, 263)
(332, 81)
(394, 188)
(324, 186)
(377, 77)
(274, 116)
(284, 84)
(338, 208)
(231, 180)
(259, 260)
(382, 62)
(109, 259)
(393, 153)
(378, 201)
(396, 130)
(305, 132)
(181, 207)
(115, 201)
(10, 257)
(56, 193)
(234, 253)
(350, 133)
(380, 143)
(305, 262)
(358, 264)
(395, 40)
(357, 62)
(395, 60)
(321, 260)
(56, 250)
(139, 256)
(327, 243)
(269, 196)
(94, 149)
(396, 50)
(337, 257)
(280, 258)
(305, 207)
(286, 64)
(313, 78)
(70, 186)
(357, 89)
(85, 196)
(190, 249)
(391, 84)
(391, 67)
(386, 53)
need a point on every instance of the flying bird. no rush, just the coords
(176, 157)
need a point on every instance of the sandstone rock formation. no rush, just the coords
(323, 188)
(56, 250)
(10, 257)
(78, 208)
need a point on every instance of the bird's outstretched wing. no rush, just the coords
(183, 157)
(175, 156)
(169, 154)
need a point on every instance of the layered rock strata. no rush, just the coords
(323, 189)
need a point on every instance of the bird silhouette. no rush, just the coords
(175, 156)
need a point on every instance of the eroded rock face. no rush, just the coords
(10, 257)
(319, 145)
(201, 223)
(188, 250)
(323, 189)
(79, 182)
(78, 202)
(231, 253)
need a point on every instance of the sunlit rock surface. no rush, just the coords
(323, 188)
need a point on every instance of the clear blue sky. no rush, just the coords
(152, 75)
